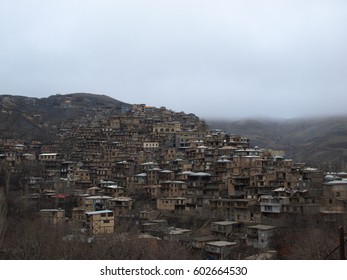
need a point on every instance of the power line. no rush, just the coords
(341, 246)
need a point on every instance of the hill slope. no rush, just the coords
(29, 118)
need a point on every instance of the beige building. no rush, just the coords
(171, 203)
(170, 127)
(173, 188)
(48, 157)
(152, 191)
(113, 190)
(95, 202)
(150, 145)
(78, 216)
(121, 206)
(81, 175)
(52, 216)
(100, 222)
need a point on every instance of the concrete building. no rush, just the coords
(219, 250)
(225, 228)
(259, 236)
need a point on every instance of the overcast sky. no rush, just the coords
(217, 58)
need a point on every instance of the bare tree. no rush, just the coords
(310, 243)
(3, 214)
(5, 174)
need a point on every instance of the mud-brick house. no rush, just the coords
(113, 190)
(78, 216)
(121, 206)
(173, 188)
(96, 202)
(171, 203)
(52, 216)
(100, 222)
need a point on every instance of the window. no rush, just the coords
(106, 221)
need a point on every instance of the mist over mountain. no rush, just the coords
(321, 142)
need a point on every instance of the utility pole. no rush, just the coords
(342, 244)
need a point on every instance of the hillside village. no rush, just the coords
(172, 178)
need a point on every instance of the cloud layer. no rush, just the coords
(218, 59)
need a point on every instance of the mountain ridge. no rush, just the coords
(320, 141)
(30, 117)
